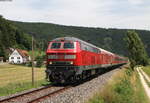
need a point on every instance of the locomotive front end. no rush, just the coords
(61, 60)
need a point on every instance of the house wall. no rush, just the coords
(14, 58)
(1, 61)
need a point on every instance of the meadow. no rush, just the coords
(15, 78)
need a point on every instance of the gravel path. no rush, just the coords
(145, 75)
(81, 93)
(144, 83)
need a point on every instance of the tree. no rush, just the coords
(136, 50)
(11, 36)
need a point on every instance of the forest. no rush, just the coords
(12, 37)
(18, 35)
(110, 39)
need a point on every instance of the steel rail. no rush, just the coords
(23, 94)
(49, 95)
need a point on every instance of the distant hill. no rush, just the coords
(109, 39)
(11, 36)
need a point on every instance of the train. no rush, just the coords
(70, 59)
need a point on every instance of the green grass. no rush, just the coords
(125, 87)
(16, 78)
(146, 70)
(97, 99)
(10, 74)
(18, 87)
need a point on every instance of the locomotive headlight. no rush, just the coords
(71, 62)
(50, 62)
(70, 56)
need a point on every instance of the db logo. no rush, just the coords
(61, 56)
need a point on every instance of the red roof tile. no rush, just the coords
(23, 53)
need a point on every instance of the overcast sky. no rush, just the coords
(131, 14)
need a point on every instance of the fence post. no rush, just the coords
(32, 61)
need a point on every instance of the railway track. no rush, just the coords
(35, 96)
(49, 95)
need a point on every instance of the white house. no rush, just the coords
(19, 56)
(1, 59)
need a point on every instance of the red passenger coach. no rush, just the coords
(70, 59)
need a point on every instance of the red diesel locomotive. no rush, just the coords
(70, 59)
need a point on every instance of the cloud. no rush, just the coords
(97, 13)
(136, 2)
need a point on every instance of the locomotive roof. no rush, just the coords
(74, 39)
(106, 51)
(66, 38)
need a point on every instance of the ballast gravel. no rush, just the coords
(32, 96)
(82, 92)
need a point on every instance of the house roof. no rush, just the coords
(1, 58)
(23, 53)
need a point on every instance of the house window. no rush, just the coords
(12, 57)
(18, 61)
(12, 61)
(18, 57)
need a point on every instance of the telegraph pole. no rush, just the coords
(32, 61)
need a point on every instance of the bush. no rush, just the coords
(39, 62)
(29, 64)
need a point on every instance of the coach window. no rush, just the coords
(55, 45)
(68, 45)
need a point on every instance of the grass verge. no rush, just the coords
(145, 79)
(18, 87)
(146, 70)
(125, 87)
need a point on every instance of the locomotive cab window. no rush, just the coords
(55, 45)
(68, 45)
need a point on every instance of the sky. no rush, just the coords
(126, 14)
